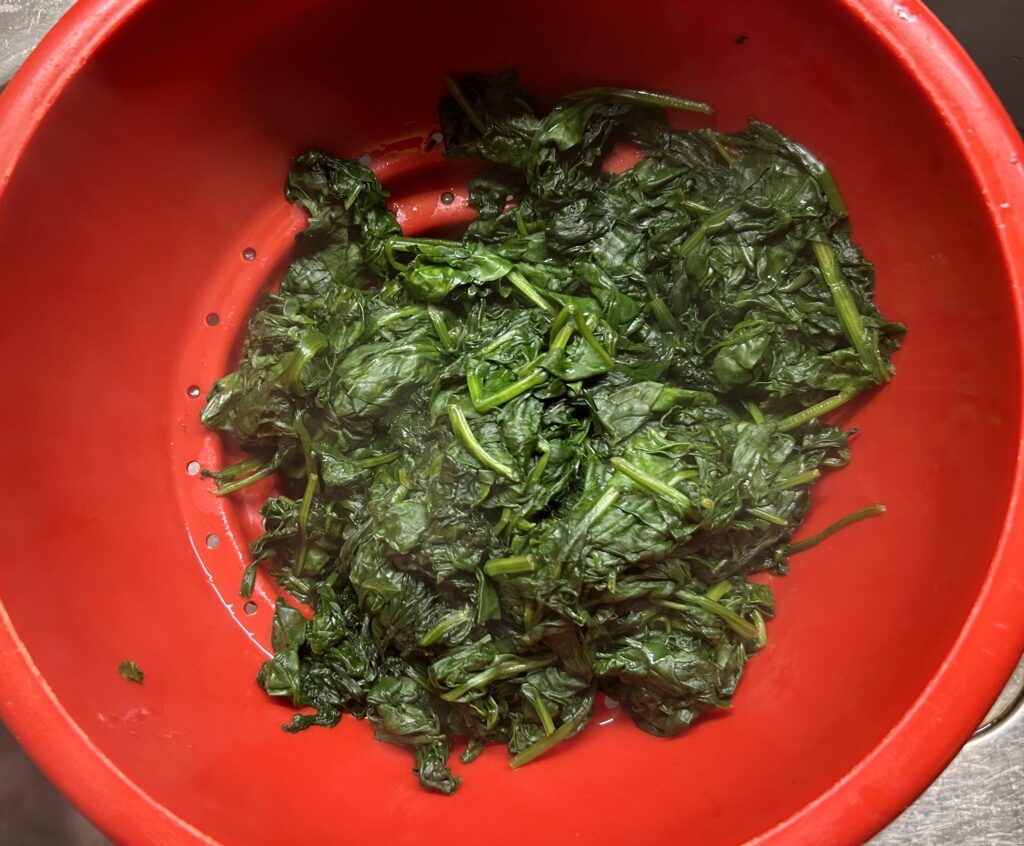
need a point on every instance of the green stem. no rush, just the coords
(512, 566)
(233, 471)
(755, 413)
(520, 223)
(590, 338)
(450, 622)
(528, 291)
(562, 337)
(767, 516)
(405, 243)
(312, 482)
(650, 483)
(745, 629)
(545, 744)
(503, 670)
(310, 343)
(640, 97)
(804, 478)
(543, 714)
(718, 590)
(761, 640)
(521, 386)
(461, 427)
(443, 335)
(238, 484)
(715, 141)
(815, 411)
(845, 306)
(662, 313)
(842, 523)
(712, 223)
(377, 460)
(460, 98)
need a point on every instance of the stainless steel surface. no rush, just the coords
(977, 801)
(22, 24)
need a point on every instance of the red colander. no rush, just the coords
(142, 154)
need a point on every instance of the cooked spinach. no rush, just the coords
(130, 671)
(541, 461)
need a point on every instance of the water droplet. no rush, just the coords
(1004, 205)
(904, 14)
(194, 391)
(365, 159)
(447, 198)
(249, 253)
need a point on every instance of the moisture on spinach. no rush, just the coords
(541, 461)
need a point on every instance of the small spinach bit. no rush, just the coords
(541, 462)
(130, 671)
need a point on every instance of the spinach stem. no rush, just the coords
(502, 670)
(841, 523)
(238, 484)
(755, 413)
(521, 224)
(715, 141)
(641, 97)
(745, 629)
(650, 483)
(312, 482)
(815, 411)
(767, 516)
(511, 566)
(546, 744)
(377, 460)
(590, 338)
(845, 306)
(527, 290)
(712, 223)
(501, 397)
(452, 621)
(561, 339)
(443, 335)
(460, 98)
(804, 478)
(233, 471)
(662, 313)
(543, 714)
(462, 429)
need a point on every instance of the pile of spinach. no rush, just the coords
(539, 462)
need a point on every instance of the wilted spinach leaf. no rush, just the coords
(542, 461)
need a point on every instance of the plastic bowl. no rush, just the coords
(142, 150)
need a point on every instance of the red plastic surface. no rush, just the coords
(143, 148)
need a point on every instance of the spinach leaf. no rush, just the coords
(541, 462)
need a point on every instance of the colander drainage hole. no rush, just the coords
(250, 607)
(365, 159)
(194, 391)
(193, 468)
(434, 139)
(212, 541)
(212, 319)
(249, 253)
